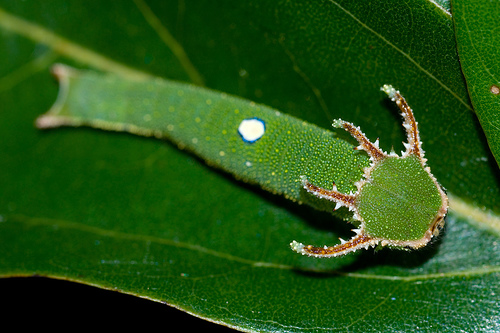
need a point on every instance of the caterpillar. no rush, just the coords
(255, 143)
(395, 200)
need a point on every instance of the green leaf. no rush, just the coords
(477, 29)
(137, 215)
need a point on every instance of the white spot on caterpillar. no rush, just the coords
(248, 163)
(252, 129)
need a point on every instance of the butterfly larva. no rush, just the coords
(396, 199)
(256, 143)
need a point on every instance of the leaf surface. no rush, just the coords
(138, 215)
(478, 36)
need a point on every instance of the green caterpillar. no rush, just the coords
(398, 203)
(219, 128)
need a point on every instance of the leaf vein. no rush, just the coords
(63, 46)
(407, 56)
(169, 40)
(201, 249)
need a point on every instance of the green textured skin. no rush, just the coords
(401, 200)
(206, 123)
